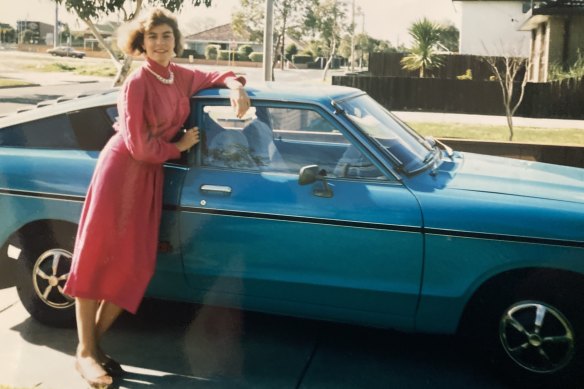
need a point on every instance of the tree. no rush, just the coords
(423, 55)
(326, 18)
(7, 33)
(506, 70)
(88, 11)
(449, 37)
(250, 19)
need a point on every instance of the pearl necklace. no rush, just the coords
(163, 80)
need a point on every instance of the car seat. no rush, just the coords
(260, 137)
(229, 148)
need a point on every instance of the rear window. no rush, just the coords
(87, 129)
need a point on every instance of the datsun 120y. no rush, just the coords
(321, 204)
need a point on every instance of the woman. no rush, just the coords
(115, 250)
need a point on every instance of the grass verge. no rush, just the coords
(88, 70)
(108, 70)
(551, 136)
(11, 83)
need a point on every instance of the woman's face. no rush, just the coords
(159, 44)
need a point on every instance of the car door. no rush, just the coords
(348, 247)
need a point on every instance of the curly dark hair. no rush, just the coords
(131, 36)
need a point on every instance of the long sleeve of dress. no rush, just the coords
(139, 135)
(203, 80)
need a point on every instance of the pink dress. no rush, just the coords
(115, 251)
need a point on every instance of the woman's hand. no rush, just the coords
(240, 101)
(189, 139)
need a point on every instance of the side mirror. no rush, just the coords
(312, 173)
(308, 174)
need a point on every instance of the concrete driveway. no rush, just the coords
(183, 346)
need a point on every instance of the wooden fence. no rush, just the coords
(559, 99)
(399, 89)
(389, 65)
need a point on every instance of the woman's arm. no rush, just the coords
(239, 98)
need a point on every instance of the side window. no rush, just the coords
(280, 140)
(92, 128)
(223, 142)
(49, 133)
(87, 129)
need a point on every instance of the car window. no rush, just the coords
(87, 129)
(280, 140)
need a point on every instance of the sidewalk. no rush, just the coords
(62, 78)
(437, 117)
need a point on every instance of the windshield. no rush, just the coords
(404, 144)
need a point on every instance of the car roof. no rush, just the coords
(302, 93)
(319, 94)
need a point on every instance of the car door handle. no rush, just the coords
(219, 189)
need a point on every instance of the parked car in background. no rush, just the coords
(321, 204)
(66, 51)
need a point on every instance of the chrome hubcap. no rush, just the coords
(537, 336)
(49, 275)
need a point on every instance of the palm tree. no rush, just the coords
(423, 55)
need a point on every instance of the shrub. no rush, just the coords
(226, 55)
(211, 51)
(256, 56)
(466, 76)
(291, 50)
(244, 52)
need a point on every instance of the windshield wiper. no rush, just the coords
(429, 156)
(446, 148)
(433, 142)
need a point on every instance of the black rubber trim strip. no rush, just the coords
(501, 237)
(52, 196)
(379, 226)
(298, 219)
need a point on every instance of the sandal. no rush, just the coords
(113, 367)
(96, 378)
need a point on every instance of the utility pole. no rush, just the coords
(56, 30)
(268, 40)
(353, 37)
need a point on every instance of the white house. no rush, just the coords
(491, 27)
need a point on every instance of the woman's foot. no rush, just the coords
(113, 367)
(110, 365)
(93, 373)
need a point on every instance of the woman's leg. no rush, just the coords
(87, 352)
(107, 314)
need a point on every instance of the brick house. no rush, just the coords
(557, 36)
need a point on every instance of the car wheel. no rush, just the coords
(44, 269)
(536, 334)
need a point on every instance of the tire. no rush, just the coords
(535, 335)
(43, 270)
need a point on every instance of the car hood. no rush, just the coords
(517, 177)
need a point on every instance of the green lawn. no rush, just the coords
(11, 83)
(75, 67)
(559, 136)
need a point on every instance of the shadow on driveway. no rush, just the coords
(173, 345)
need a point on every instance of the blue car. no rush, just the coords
(321, 204)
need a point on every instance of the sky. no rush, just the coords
(383, 19)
